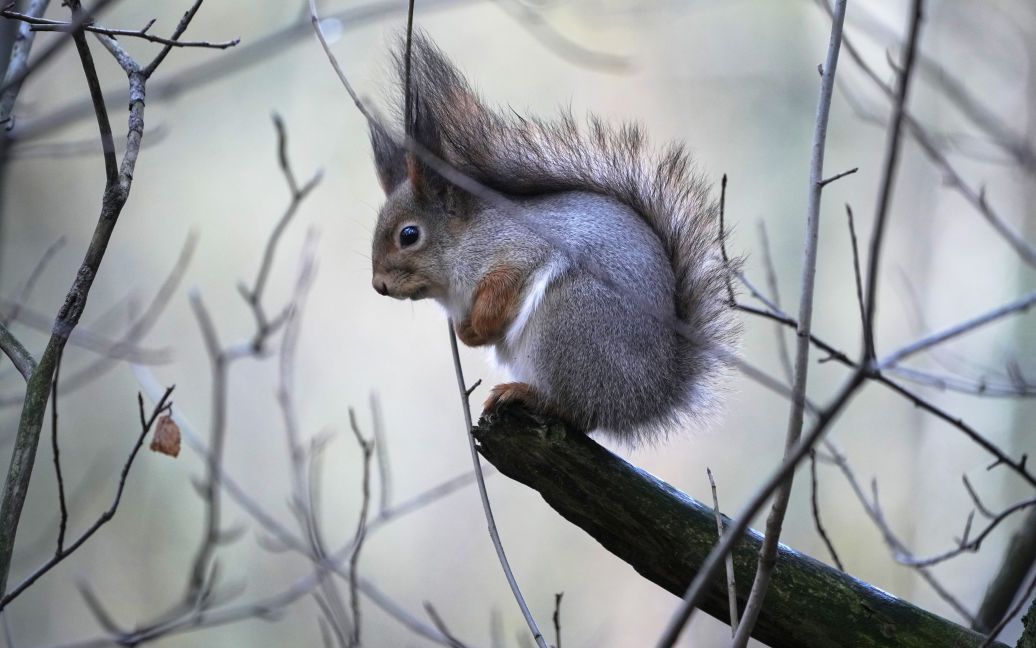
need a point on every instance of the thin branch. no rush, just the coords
(838, 176)
(1017, 465)
(768, 550)
(858, 277)
(111, 163)
(462, 385)
(723, 237)
(37, 392)
(381, 451)
(711, 565)
(815, 507)
(13, 81)
(873, 509)
(1019, 305)
(441, 626)
(481, 481)
(968, 543)
(976, 197)
(783, 353)
(56, 449)
(18, 64)
(888, 179)
(112, 352)
(211, 490)
(181, 27)
(731, 583)
(20, 357)
(367, 449)
(145, 426)
(47, 25)
(253, 296)
(30, 281)
(557, 619)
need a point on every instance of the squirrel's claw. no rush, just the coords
(511, 392)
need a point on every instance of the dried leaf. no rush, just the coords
(167, 437)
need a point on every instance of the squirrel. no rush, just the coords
(590, 266)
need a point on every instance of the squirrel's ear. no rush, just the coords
(389, 158)
(428, 184)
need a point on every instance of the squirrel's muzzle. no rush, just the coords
(380, 285)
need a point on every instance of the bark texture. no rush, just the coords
(666, 535)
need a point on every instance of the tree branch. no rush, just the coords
(775, 521)
(666, 536)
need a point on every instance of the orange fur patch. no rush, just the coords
(496, 303)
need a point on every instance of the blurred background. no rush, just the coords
(736, 81)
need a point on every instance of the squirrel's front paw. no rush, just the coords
(467, 334)
(509, 393)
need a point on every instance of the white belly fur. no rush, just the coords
(514, 355)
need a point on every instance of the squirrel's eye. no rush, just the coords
(409, 235)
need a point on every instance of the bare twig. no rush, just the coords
(858, 276)
(1021, 304)
(253, 296)
(20, 357)
(775, 314)
(56, 449)
(219, 360)
(873, 510)
(723, 237)
(47, 25)
(783, 353)
(441, 626)
(892, 149)
(815, 507)
(18, 64)
(118, 181)
(86, 147)
(731, 583)
(112, 352)
(768, 550)
(146, 422)
(462, 385)
(976, 197)
(968, 543)
(480, 480)
(557, 619)
(14, 78)
(367, 448)
(838, 176)
(30, 281)
(711, 565)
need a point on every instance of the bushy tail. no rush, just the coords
(521, 156)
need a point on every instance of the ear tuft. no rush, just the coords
(389, 158)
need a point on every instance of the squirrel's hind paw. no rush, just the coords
(526, 395)
(512, 392)
(509, 393)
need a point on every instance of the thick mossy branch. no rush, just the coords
(665, 535)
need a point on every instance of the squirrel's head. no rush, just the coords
(418, 223)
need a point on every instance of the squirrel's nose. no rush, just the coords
(380, 285)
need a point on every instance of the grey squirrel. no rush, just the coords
(597, 277)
